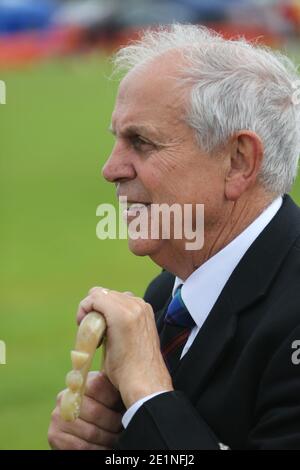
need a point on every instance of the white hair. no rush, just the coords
(235, 85)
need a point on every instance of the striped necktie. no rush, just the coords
(177, 327)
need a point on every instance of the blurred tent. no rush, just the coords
(37, 29)
(147, 13)
(21, 15)
(85, 13)
(211, 10)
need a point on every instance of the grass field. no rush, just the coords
(53, 142)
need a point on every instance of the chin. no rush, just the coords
(142, 247)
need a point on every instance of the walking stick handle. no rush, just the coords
(90, 333)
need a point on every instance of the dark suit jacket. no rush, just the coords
(237, 384)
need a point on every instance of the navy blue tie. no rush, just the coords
(177, 313)
(177, 326)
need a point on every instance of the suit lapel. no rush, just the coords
(207, 350)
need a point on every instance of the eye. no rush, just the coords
(140, 143)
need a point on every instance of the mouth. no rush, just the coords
(136, 205)
(132, 209)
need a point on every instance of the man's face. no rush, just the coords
(156, 158)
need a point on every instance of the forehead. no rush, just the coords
(150, 94)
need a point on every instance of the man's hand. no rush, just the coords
(99, 424)
(133, 361)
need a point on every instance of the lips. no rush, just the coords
(137, 205)
(135, 208)
(132, 209)
(130, 203)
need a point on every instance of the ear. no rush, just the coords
(246, 153)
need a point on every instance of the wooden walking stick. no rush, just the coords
(90, 334)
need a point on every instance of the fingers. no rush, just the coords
(97, 428)
(96, 413)
(60, 440)
(83, 307)
(87, 304)
(85, 431)
(65, 441)
(83, 310)
(114, 306)
(100, 389)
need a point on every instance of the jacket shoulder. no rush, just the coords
(159, 290)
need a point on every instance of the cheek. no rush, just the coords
(206, 176)
(154, 180)
(163, 178)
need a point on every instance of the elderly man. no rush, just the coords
(205, 361)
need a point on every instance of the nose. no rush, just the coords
(118, 166)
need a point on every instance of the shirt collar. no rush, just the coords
(202, 288)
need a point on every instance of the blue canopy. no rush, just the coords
(20, 15)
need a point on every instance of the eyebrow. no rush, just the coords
(135, 129)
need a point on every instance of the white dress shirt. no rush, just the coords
(210, 278)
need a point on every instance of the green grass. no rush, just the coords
(53, 143)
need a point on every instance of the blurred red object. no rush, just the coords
(26, 48)
(291, 10)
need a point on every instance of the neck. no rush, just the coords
(235, 218)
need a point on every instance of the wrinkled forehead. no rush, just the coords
(150, 92)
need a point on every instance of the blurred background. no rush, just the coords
(55, 62)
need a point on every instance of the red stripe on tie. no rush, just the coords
(176, 342)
